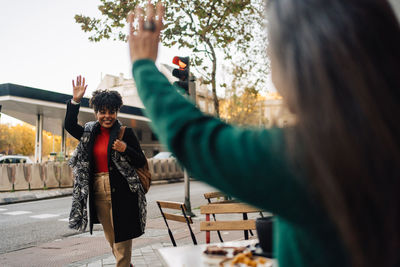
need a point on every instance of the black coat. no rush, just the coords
(125, 209)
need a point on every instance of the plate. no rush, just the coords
(234, 256)
(256, 261)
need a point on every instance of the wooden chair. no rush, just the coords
(219, 198)
(223, 198)
(227, 208)
(176, 217)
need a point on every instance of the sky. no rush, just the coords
(41, 46)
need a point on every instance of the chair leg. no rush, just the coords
(207, 232)
(246, 232)
(171, 237)
(188, 224)
(219, 236)
(218, 232)
(193, 236)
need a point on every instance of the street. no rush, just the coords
(29, 224)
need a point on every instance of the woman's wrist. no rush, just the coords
(75, 101)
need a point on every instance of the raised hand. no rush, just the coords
(119, 145)
(143, 41)
(79, 89)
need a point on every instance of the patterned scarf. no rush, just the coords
(79, 162)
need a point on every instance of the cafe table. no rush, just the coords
(192, 255)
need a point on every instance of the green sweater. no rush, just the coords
(246, 163)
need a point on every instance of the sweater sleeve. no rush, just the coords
(247, 163)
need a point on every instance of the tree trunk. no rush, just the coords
(214, 82)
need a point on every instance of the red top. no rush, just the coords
(100, 150)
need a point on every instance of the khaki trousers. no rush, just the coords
(102, 197)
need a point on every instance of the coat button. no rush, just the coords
(113, 190)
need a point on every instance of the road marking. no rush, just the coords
(18, 212)
(64, 220)
(3, 209)
(44, 216)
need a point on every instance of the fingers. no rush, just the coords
(160, 16)
(116, 143)
(131, 18)
(140, 15)
(150, 11)
(79, 82)
(152, 14)
(119, 145)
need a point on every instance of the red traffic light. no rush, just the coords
(182, 62)
(182, 73)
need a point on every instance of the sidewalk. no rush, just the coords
(24, 195)
(95, 251)
(68, 251)
(144, 252)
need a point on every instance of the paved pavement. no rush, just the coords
(66, 251)
(144, 252)
(23, 196)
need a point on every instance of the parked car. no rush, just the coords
(163, 155)
(6, 159)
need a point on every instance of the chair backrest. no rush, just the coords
(218, 197)
(182, 217)
(211, 195)
(227, 208)
(175, 206)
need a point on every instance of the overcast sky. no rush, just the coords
(41, 46)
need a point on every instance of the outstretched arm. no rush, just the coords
(247, 163)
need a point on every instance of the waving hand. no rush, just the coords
(79, 89)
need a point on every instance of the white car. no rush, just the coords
(163, 155)
(6, 159)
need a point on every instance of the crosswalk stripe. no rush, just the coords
(18, 212)
(64, 220)
(44, 216)
(3, 209)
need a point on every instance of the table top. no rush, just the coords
(191, 255)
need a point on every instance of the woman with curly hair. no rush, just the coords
(104, 170)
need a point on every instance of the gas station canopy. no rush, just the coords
(26, 103)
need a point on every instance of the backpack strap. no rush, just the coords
(121, 132)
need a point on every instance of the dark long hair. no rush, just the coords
(340, 63)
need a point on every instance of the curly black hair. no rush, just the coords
(106, 99)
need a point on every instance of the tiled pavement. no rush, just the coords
(144, 252)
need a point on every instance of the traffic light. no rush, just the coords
(182, 73)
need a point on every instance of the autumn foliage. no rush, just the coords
(20, 139)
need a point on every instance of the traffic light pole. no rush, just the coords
(187, 193)
(187, 84)
(192, 94)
